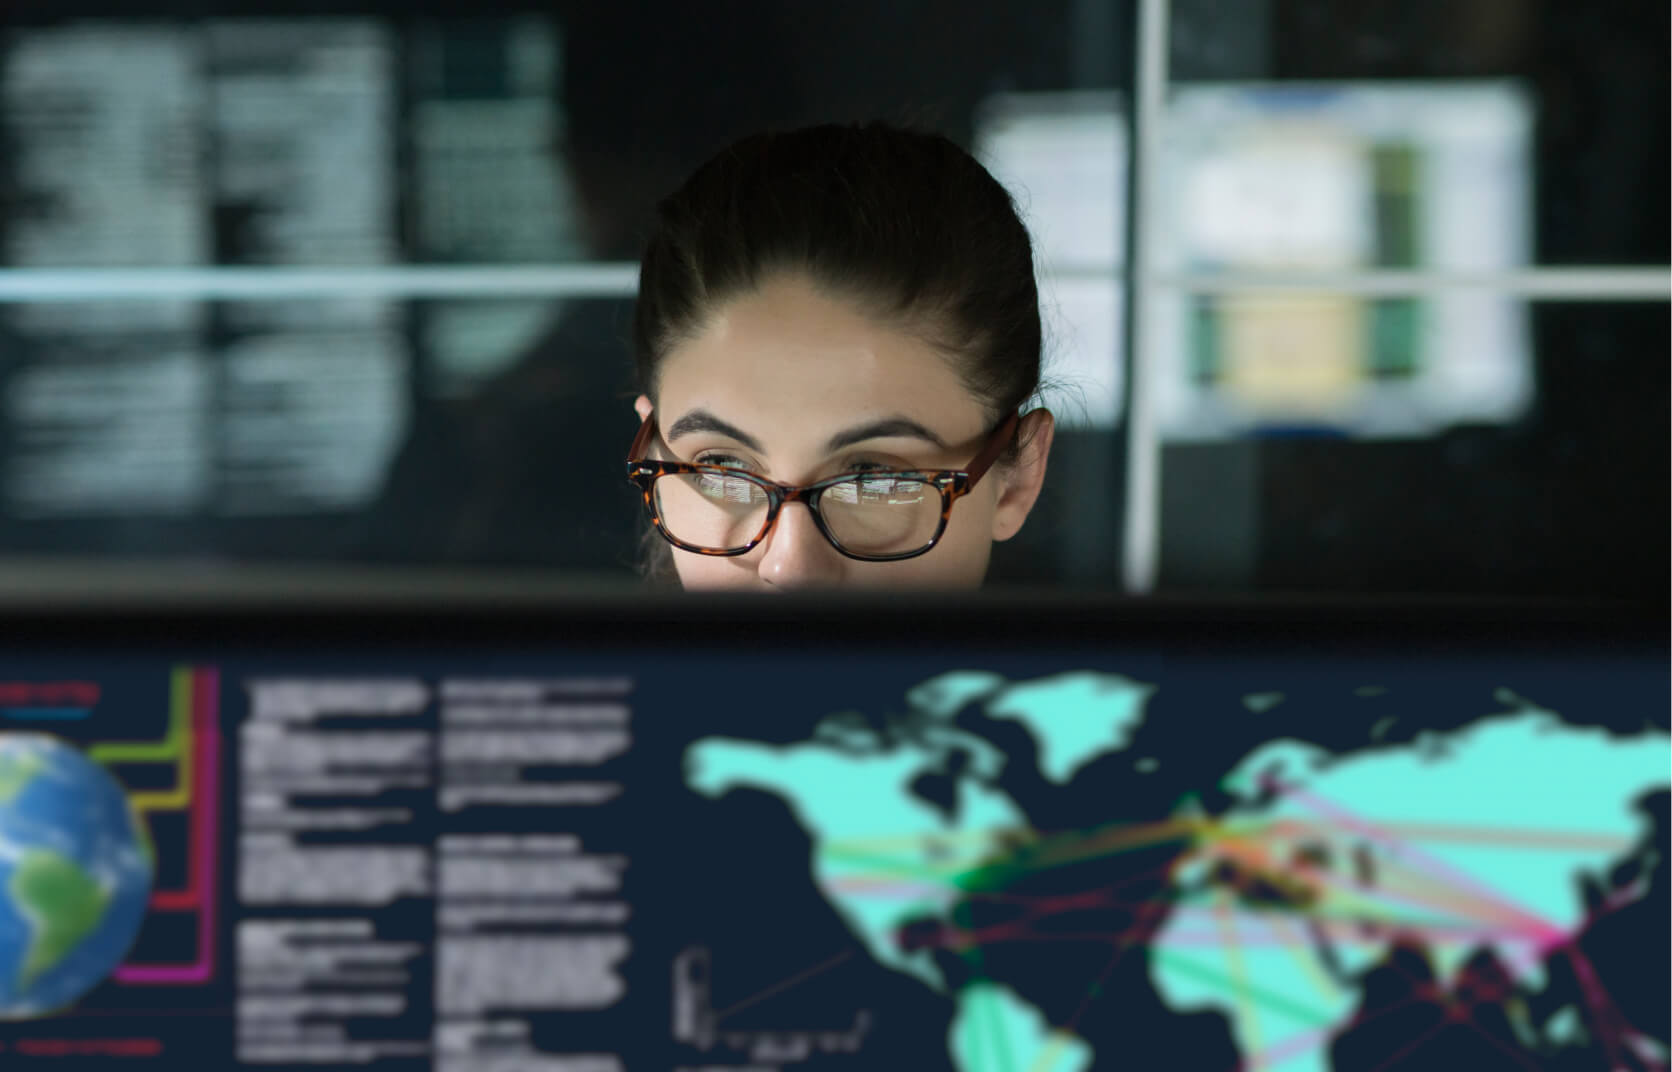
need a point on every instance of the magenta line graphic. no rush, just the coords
(206, 822)
(1414, 855)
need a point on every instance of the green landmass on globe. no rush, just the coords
(63, 905)
(75, 875)
(16, 769)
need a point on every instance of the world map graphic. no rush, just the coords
(1314, 910)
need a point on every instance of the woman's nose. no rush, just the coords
(796, 553)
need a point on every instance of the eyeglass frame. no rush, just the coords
(953, 484)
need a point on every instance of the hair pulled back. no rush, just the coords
(906, 224)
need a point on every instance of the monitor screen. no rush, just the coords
(744, 837)
(1336, 179)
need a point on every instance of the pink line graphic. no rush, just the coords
(1514, 916)
(206, 830)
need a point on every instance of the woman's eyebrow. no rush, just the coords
(700, 420)
(888, 427)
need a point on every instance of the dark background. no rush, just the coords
(1569, 499)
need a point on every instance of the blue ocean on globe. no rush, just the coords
(75, 874)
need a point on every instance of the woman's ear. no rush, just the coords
(641, 406)
(1023, 478)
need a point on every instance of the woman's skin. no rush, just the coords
(777, 377)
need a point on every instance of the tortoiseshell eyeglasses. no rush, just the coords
(872, 516)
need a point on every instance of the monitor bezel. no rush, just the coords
(852, 622)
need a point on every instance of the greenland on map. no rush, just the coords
(1447, 897)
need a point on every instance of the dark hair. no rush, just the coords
(905, 223)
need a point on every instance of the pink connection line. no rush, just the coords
(1548, 937)
(1524, 921)
(205, 820)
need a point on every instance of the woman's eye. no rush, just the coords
(728, 461)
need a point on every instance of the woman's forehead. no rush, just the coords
(790, 356)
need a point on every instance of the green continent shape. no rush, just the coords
(62, 902)
(1520, 771)
(880, 855)
(1074, 718)
(994, 1030)
(17, 769)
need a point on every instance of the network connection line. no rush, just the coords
(193, 743)
(175, 747)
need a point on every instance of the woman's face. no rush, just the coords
(797, 386)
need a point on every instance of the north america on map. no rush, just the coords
(1292, 893)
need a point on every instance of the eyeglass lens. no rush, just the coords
(883, 514)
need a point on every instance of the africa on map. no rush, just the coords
(1444, 894)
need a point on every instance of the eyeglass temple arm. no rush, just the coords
(641, 442)
(995, 447)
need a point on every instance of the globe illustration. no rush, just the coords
(75, 874)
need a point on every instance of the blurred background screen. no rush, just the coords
(1339, 296)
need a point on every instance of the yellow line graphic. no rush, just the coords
(174, 748)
